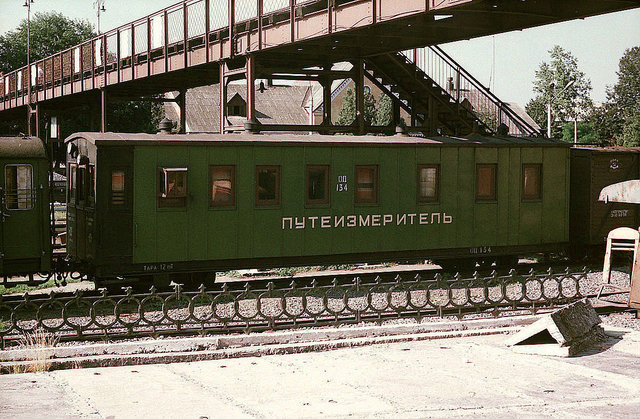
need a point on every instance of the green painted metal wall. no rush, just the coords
(246, 231)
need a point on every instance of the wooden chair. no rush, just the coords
(623, 239)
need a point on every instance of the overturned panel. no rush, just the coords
(626, 192)
(565, 332)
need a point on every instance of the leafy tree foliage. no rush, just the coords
(50, 33)
(617, 121)
(384, 111)
(586, 133)
(630, 135)
(549, 87)
(347, 113)
(626, 92)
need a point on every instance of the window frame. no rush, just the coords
(230, 204)
(316, 202)
(494, 197)
(268, 202)
(170, 202)
(124, 203)
(530, 198)
(436, 198)
(32, 189)
(91, 185)
(376, 184)
(72, 168)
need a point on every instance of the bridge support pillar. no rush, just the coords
(396, 113)
(103, 110)
(326, 102)
(250, 72)
(181, 100)
(33, 120)
(223, 97)
(359, 82)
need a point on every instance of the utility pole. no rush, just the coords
(27, 4)
(99, 5)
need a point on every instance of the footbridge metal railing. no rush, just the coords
(243, 307)
(466, 90)
(195, 32)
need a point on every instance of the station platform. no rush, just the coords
(474, 376)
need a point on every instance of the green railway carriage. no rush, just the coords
(153, 205)
(25, 237)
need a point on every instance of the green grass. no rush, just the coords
(22, 288)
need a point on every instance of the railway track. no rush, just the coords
(321, 278)
(282, 303)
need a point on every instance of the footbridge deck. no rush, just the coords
(199, 42)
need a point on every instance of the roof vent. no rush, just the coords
(166, 125)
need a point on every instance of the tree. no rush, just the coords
(630, 136)
(567, 103)
(617, 120)
(347, 113)
(50, 33)
(384, 111)
(626, 92)
(586, 133)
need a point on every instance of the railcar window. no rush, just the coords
(486, 182)
(18, 187)
(71, 180)
(317, 191)
(531, 181)
(91, 184)
(80, 183)
(223, 186)
(428, 182)
(267, 185)
(366, 184)
(117, 187)
(172, 187)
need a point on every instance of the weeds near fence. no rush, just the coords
(39, 346)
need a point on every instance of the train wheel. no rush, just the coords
(507, 262)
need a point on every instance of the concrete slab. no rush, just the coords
(458, 377)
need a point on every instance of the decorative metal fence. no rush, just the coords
(303, 303)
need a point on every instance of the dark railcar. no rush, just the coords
(592, 169)
(25, 235)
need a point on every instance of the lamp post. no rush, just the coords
(552, 95)
(27, 4)
(99, 5)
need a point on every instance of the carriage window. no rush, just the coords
(71, 184)
(117, 187)
(18, 186)
(486, 182)
(267, 185)
(222, 181)
(81, 173)
(172, 187)
(366, 184)
(531, 181)
(317, 191)
(91, 184)
(428, 183)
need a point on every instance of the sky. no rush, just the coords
(598, 43)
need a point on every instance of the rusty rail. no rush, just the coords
(225, 309)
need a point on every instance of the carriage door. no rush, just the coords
(20, 218)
